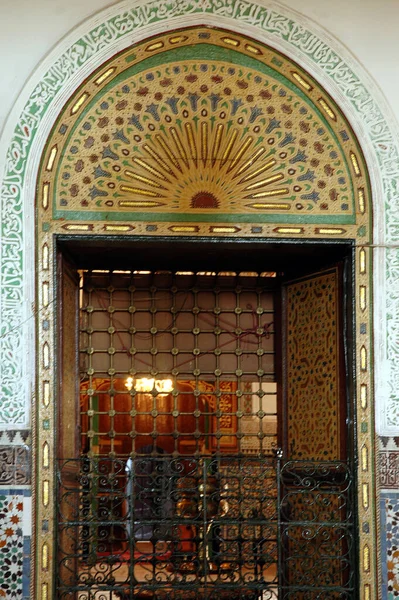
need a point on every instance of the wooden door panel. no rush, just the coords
(314, 373)
(316, 491)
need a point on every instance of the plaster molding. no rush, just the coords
(112, 30)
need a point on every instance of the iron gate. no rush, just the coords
(205, 528)
(179, 490)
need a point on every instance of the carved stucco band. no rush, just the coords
(31, 119)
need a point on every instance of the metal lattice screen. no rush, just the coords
(179, 491)
(180, 361)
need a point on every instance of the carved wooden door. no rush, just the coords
(316, 477)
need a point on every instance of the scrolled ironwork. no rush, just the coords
(204, 528)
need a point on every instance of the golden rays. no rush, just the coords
(203, 166)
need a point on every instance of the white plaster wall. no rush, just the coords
(29, 30)
(369, 29)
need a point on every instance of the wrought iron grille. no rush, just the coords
(204, 528)
(179, 491)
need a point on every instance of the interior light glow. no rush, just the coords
(146, 385)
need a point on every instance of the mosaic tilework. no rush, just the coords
(390, 545)
(12, 560)
(26, 568)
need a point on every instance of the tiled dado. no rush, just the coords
(389, 505)
(15, 541)
(389, 511)
(15, 514)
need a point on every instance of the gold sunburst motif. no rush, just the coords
(202, 138)
(203, 168)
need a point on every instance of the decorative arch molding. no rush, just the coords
(58, 78)
(204, 126)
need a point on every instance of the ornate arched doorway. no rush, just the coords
(203, 134)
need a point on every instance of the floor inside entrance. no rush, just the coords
(141, 575)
